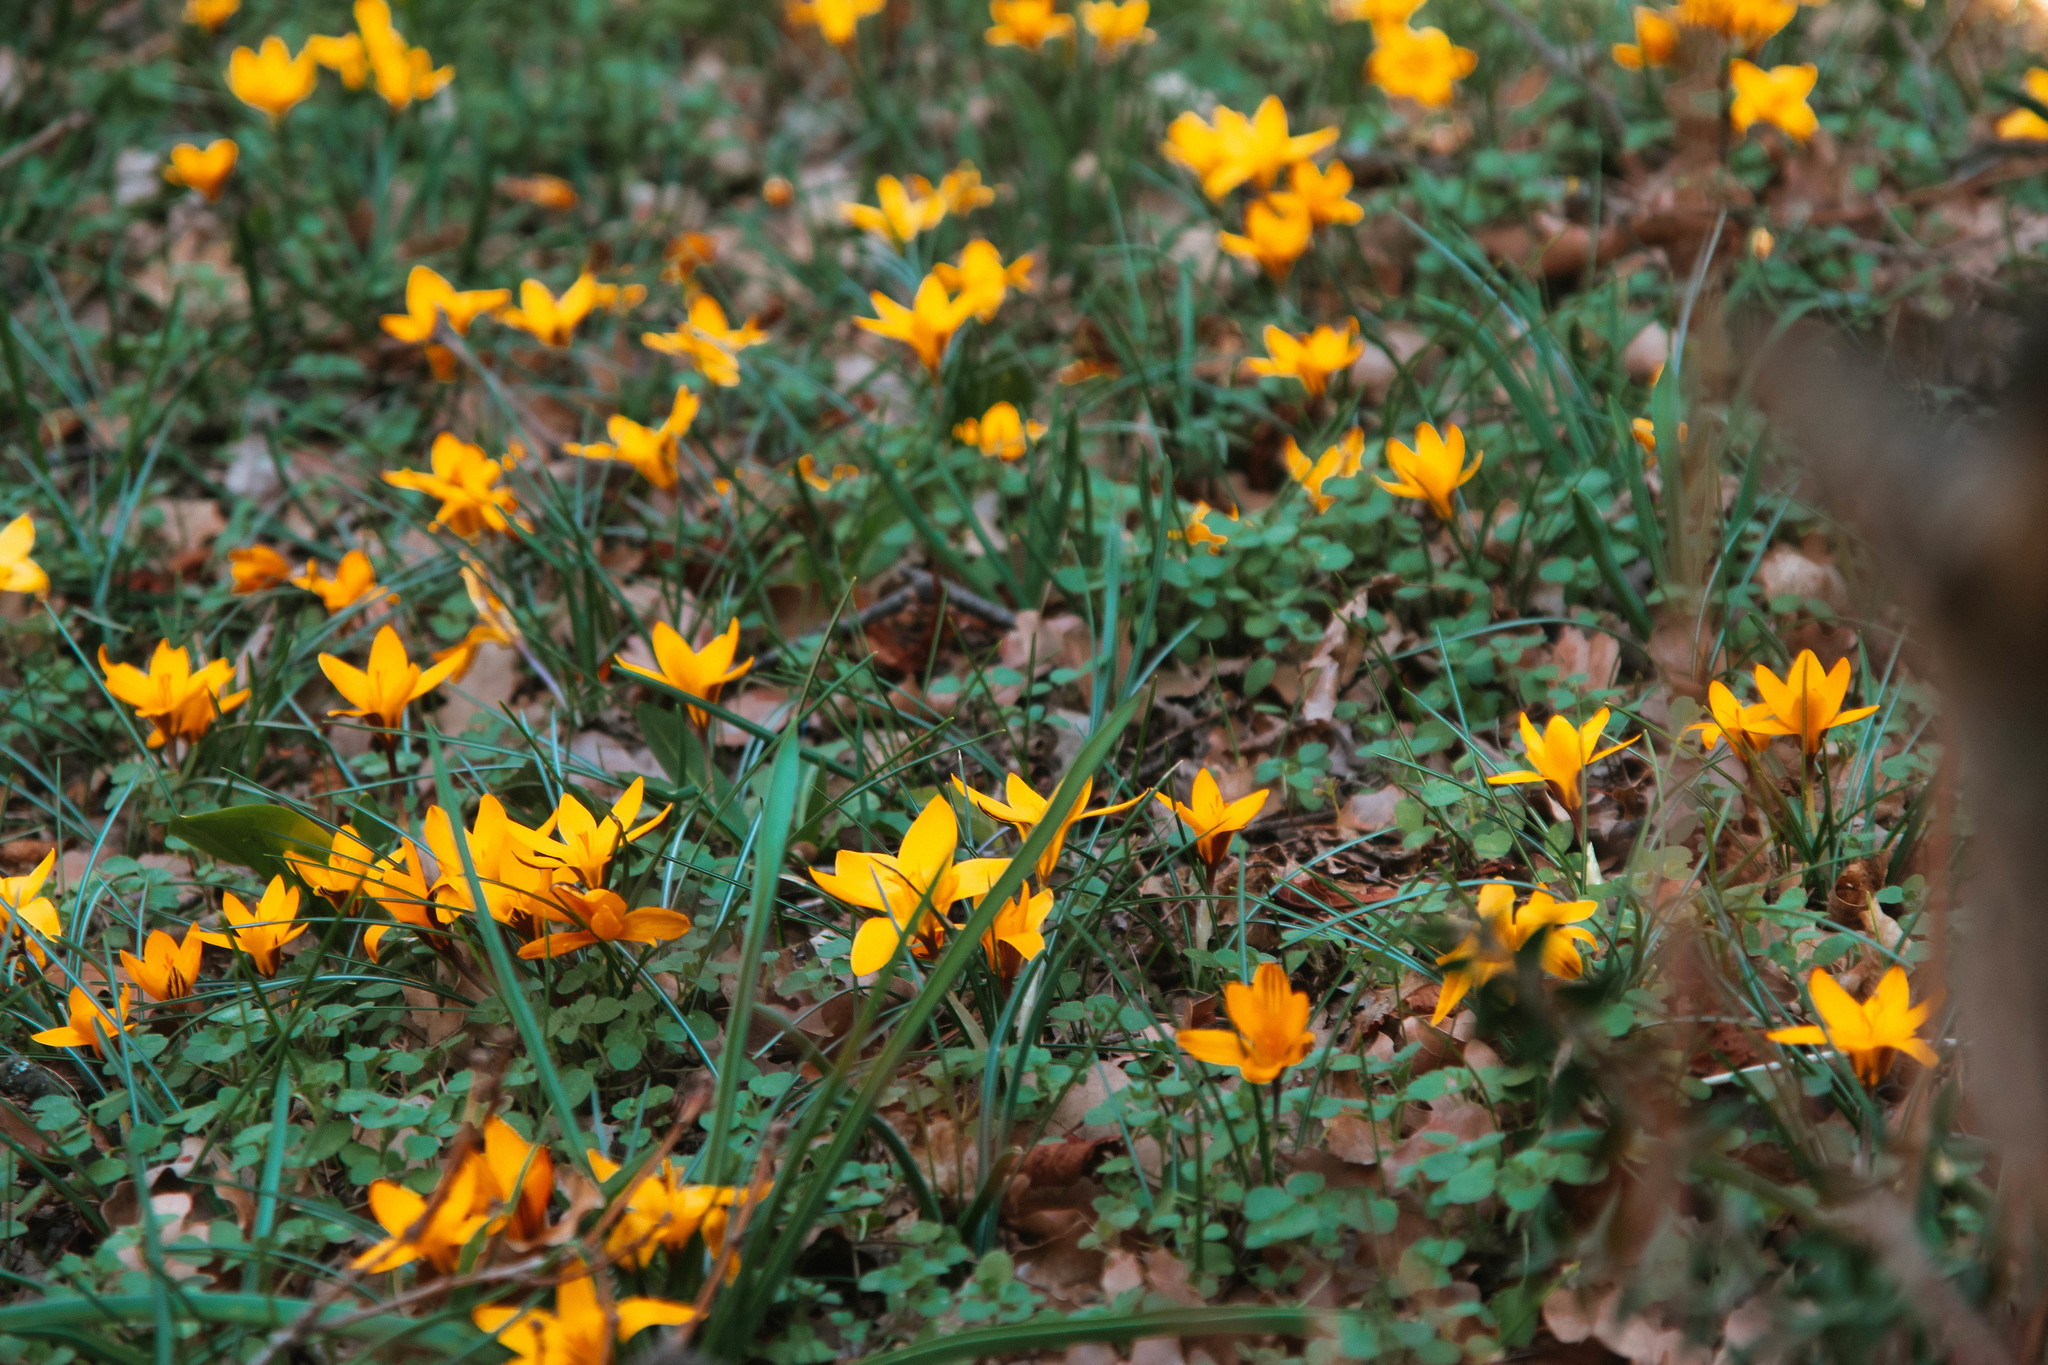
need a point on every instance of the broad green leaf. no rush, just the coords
(255, 837)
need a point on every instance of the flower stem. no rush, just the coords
(1265, 1133)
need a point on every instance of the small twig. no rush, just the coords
(294, 1333)
(758, 1185)
(874, 611)
(1561, 63)
(995, 613)
(36, 142)
(922, 584)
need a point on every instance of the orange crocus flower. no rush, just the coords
(355, 580)
(915, 887)
(1269, 1028)
(1868, 1033)
(203, 169)
(168, 967)
(179, 701)
(88, 1025)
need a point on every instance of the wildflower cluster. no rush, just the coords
(837, 680)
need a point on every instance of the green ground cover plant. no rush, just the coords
(915, 680)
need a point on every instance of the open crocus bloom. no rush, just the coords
(262, 932)
(914, 888)
(1727, 724)
(433, 1230)
(1211, 819)
(1340, 461)
(1503, 929)
(1434, 470)
(1560, 754)
(583, 845)
(1867, 1033)
(699, 672)
(578, 1331)
(1311, 357)
(1024, 808)
(1270, 1022)
(179, 701)
(1806, 704)
(167, 968)
(602, 917)
(390, 684)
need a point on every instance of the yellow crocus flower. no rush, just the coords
(340, 873)
(1026, 23)
(824, 481)
(579, 1329)
(210, 14)
(1115, 27)
(391, 683)
(271, 78)
(915, 887)
(1868, 1033)
(1433, 470)
(927, 326)
(651, 451)
(179, 701)
(1275, 236)
(465, 480)
(522, 1177)
(836, 20)
(1805, 704)
(1017, 934)
(1211, 819)
(354, 581)
(1322, 195)
(168, 967)
(1023, 809)
(548, 319)
(1503, 930)
(1001, 433)
(1777, 97)
(708, 341)
(982, 279)
(1311, 357)
(434, 1230)
(1341, 461)
(1236, 149)
(1727, 724)
(257, 568)
(900, 212)
(699, 672)
(88, 1024)
(1423, 65)
(1197, 531)
(2024, 125)
(19, 573)
(601, 917)
(429, 298)
(572, 842)
(1560, 754)
(261, 933)
(1656, 42)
